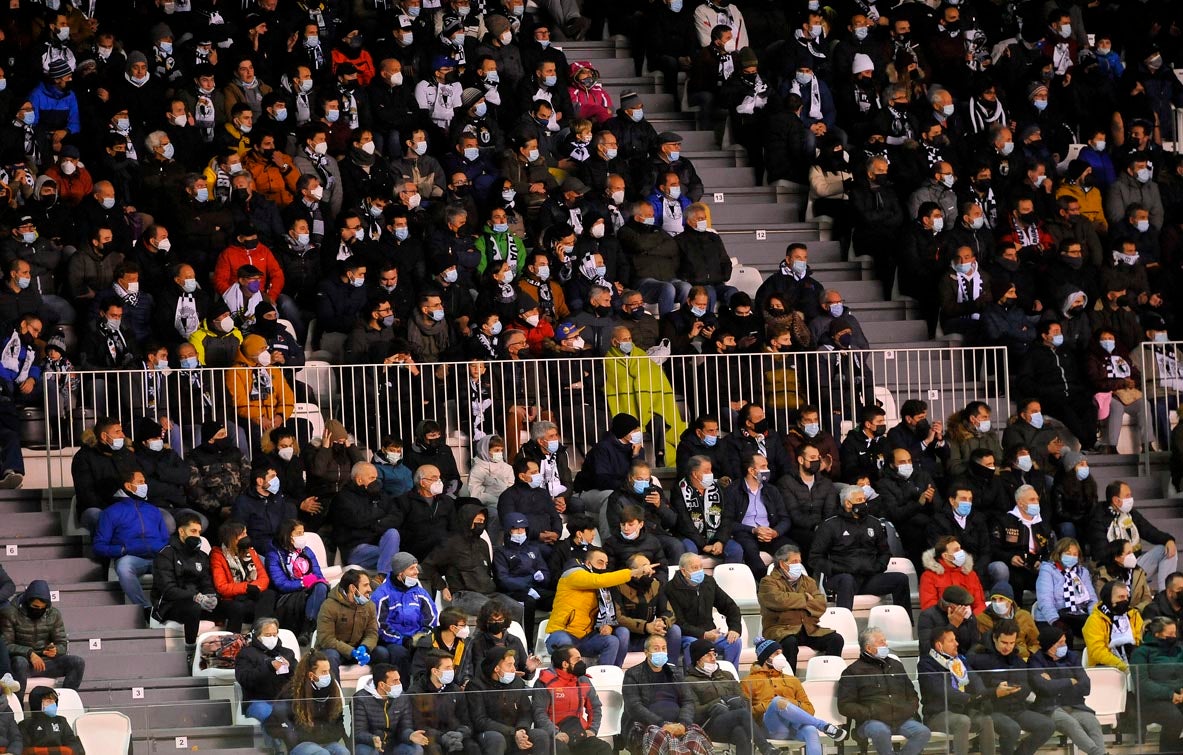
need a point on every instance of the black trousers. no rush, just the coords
(825, 644)
(190, 614)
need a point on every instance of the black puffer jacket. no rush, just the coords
(167, 474)
(253, 670)
(99, 472)
(179, 573)
(704, 260)
(899, 499)
(877, 689)
(360, 516)
(808, 506)
(845, 545)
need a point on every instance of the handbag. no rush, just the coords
(1127, 396)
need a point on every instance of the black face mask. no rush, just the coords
(374, 488)
(1073, 262)
(35, 613)
(984, 472)
(225, 444)
(760, 427)
(579, 669)
(601, 311)
(1027, 217)
(813, 467)
(922, 428)
(432, 444)
(643, 583)
(858, 510)
(239, 196)
(244, 545)
(496, 627)
(1124, 300)
(1008, 265)
(477, 528)
(192, 544)
(880, 431)
(1120, 608)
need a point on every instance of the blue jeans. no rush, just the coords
(609, 649)
(658, 292)
(312, 748)
(260, 710)
(880, 733)
(407, 749)
(129, 569)
(316, 597)
(793, 723)
(729, 650)
(1163, 406)
(732, 553)
(377, 556)
(1150, 560)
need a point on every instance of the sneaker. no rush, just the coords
(12, 480)
(836, 733)
(8, 685)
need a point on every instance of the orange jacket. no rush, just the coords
(234, 257)
(763, 684)
(223, 581)
(270, 180)
(72, 189)
(253, 405)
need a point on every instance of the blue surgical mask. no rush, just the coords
(518, 538)
(710, 440)
(904, 470)
(698, 311)
(29, 237)
(963, 508)
(836, 310)
(437, 314)
(882, 652)
(360, 599)
(202, 196)
(1036, 420)
(962, 267)
(676, 6)
(452, 275)
(29, 117)
(189, 363)
(500, 227)
(1033, 510)
(1061, 651)
(637, 115)
(640, 486)
(861, 33)
(659, 659)
(800, 267)
(1058, 339)
(959, 558)
(322, 681)
(812, 429)
(551, 80)
(627, 347)
(507, 677)
(536, 480)
(1082, 473)
(50, 709)
(552, 446)
(1068, 560)
(628, 536)
(1108, 345)
(402, 233)
(1039, 104)
(273, 485)
(471, 153)
(674, 157)
(1142, 225)
(480, 109)
(696, 577)
(142, 490)
(1024, 463)
(796, 571)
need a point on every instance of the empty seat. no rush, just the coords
(609, 684)
(841, 620)
(896, 624)
(104, 731)
(824, 667)
(737, 581)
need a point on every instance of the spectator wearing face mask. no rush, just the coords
(1119, 563)
(521, 570)
(1113, 628)
(239, 573)
(1116, 518)
(606, 465)
(946, 565)
(1134, 187)
(856, 564)
(262, 397)
(1063, 592)
(218, 339)
(313, 708)
(1001, 608)
(43, 730)
(263, 668)
(366, 518)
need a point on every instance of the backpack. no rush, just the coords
(222, 651)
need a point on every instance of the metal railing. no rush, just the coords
(1161, 365)
(477, 398)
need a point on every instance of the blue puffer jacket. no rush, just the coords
(279, 569)
(395, 478)
(403, 612)
(130, 527)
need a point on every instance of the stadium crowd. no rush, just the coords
(196, 191)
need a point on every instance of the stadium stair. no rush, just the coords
(176, 705)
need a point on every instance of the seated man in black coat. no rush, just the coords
(755, 514)
(365, 520)
(852, 552)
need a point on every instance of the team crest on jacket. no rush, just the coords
(870, 532)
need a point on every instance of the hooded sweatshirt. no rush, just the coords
(40, 730)
(25, 635)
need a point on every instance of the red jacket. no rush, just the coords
(223, 580)
(570, 698)
(934, 582)
(538, 336)
(234, 257)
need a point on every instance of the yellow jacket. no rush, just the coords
(1090, 204)
(763, 684)
(1096, 638)
(250, 402)
(576, 599)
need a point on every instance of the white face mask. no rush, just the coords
(269, 642)
(781, 664)
(287, 453)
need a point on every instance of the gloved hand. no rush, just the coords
(253, 592)
(362, 655)
(209, 602)
(539, 576)
(309, 580)
(452, 741)
(533, 593)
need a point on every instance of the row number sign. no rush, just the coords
(719, 197)
(761, 235)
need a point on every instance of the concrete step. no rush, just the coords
(43, 547)
(755, 215)
(720, 178)
(716, 159)
(104, 666)
(611, 67)
(117, 641)
(114, 693)
(1144, 489)
(697, 141)
(885, 313)
(75, 594)
(103, 617)
(642, 85)
(671, 121)
(59, 571)
(28, 505)
(892, 332)
(617, 47)
(32, 524)
(212, 739)
(769, 253)
(652, 103)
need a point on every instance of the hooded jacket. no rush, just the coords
(403, 611)
(938, 576)
(515, 565)
(130, 526)
(343, 625)
(10, 732)
(487, 479)
(462, 561)
(439, 456)
(40, 730)
(378, 716)
(218, 472)
(252, 397)
(25, 635)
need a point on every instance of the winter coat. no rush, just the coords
(503, 708)
(974, 537)
(659, 520)
(535, 503)
(378, 716)
(10, 732)
(570, 698)
(939, 691)
(1049, 591)
(330, 469)
(224, 582)
(606, 465)
(938, 576)
(99, 472)
(167, 476)
(1157, 669)
(178, 574)
(653, 252)
(251, 400)
(641, 687)
(436, 711)
(24, 635)
(708, 690)
(1161, 606)
(515, 566)
(693, 604)
(862, 456)
(263, 516)
(704, 260)
(1127, 190)
(426, 522)
(620, 550)
(845, 545)
(871, 689)
(690, 445)
(130, 527)
(39, 730)
(1012, 537)
(807, 506)
(735, 506)
(462, 561)
(403, 612)
(487, 480)
(899, 499)
(1028, 640)
(1098, 629)
(794, 438)
(786, 606)
(1104, 515)
(635, 606)
(343, 625)
(992, 669)
(279, 569)
(935, 618)
(217, 475)
(576, 598)
(361, 517)
(396, 479)
(253, 670)
(1058, 691)
(764, 684)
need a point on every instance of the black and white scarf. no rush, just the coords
(983, 114)
(512, 252)
(1076, 597)
(546, 298)
(706, 509)
(605, 609)
(116, 343)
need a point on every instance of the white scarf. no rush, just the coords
(815, 98)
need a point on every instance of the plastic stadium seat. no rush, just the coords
(823, 693)
(317, 546)
(70, 705)
(287, 638)
(310, 413)
(896, 624)
(14, 704)
(540, 643)
(209, 673)
(746, 279)
(730, 668)
(841, 620)
(608, 682)
(517, 631)
(106, 731)
(1107, 696)
(736, 580)
(824, 668)
(905, 566)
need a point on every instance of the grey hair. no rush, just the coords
(539, 429)
(152, 140)
(849, 491)
(685, 559)
(453, 212)
(262, 623)
(421, 472)
(360, 467)
(783, 552)
(936, 94)
(694, 463)
(1023, 490)
(598, 289)
(1158, 625)
(865, 636)
(650, 639)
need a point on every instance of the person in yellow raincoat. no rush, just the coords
(262, 398)
(635, 384)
